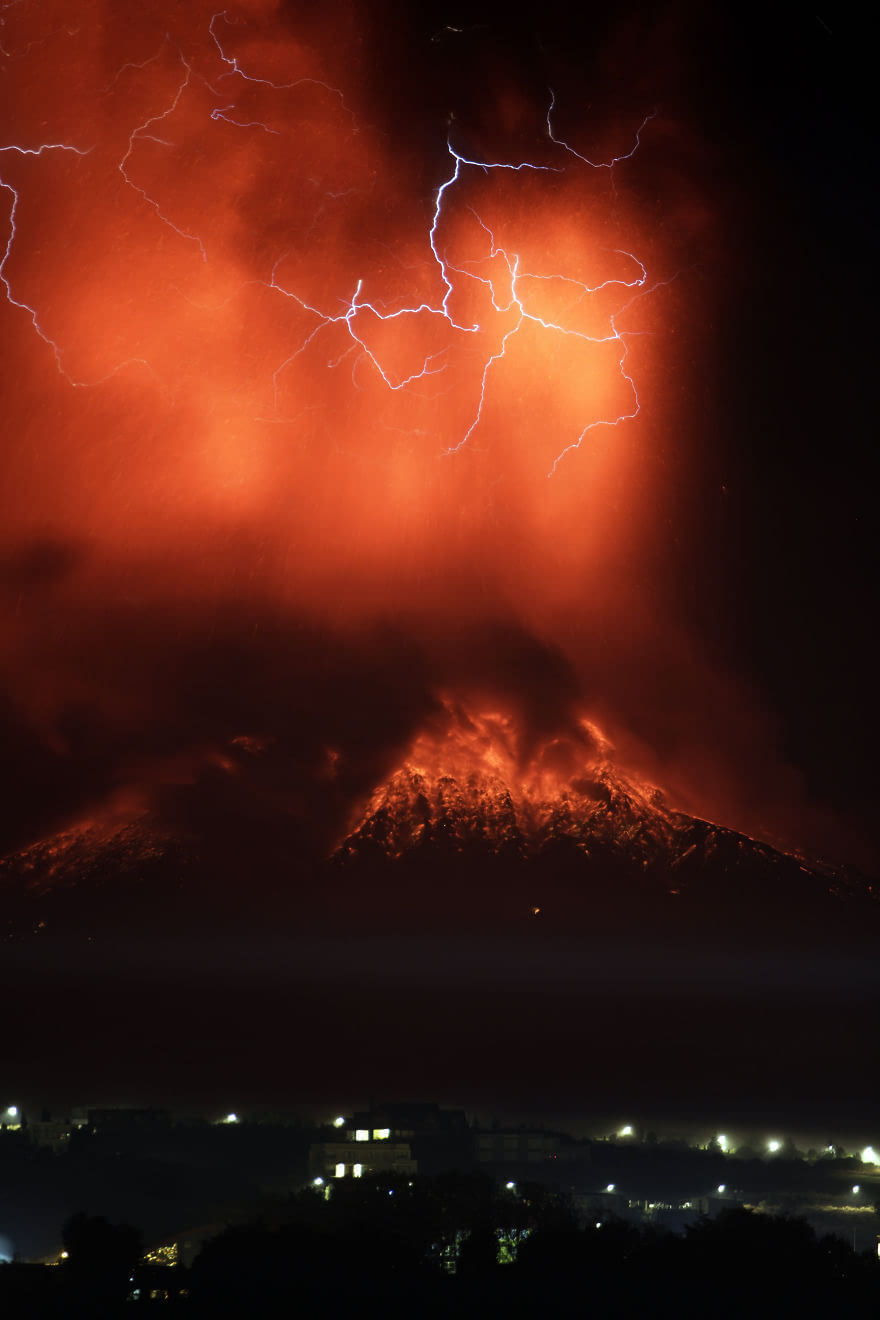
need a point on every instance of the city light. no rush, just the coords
(362, 1134)
(357, 1170)
(626, 1131)
(774, 1146)
(870, 1156)
(381, 1134)
(856, 1189)
(317, 1182)
(340, 1171)
(722, 1141)
(339, 1121)
(12, 1111)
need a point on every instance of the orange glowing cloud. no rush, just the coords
(300, 335)
(275, 361)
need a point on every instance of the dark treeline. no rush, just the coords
(454, 1245)
(166, 1174)
(157, 1176)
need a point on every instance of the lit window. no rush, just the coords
(361, 1134)
(381, 1134)
(358, 1170)
(340, 1171)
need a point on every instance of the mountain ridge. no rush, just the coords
(595, 845)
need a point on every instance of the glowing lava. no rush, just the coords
(475, 778)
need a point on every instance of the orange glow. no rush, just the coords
(282, 363)
(203, 257)
(482, 764)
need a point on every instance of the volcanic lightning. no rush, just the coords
(516, 294)
(326, 358)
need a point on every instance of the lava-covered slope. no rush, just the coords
(462, 830)
(600, 844)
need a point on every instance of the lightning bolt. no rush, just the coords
(514, 294)
(142, 133)
(514, 301)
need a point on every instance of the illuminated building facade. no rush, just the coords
(360, 1153)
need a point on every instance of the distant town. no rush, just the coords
(234, 1160)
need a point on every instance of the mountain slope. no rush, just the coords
(466, 828)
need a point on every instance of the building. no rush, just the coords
(51, 1132)
(440, 1138)
(524, 1147)
(127, 1119)
(361, 1151)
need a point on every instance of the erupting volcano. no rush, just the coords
(563, 823)
(479, 818)
(469, 784)
(346, 461)
(437, 525)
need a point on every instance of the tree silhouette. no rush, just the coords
(101, 1258)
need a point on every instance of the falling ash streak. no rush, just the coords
(432, 364)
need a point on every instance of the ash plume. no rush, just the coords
(254, 531)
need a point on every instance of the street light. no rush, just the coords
(339, 1121)
(774, 1146)
(317, 1182)
(610, 1187)
(511, 1186)
(722, 1188)
(626, 1131)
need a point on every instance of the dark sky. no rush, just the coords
(210, 535)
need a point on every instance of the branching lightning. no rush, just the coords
(515, 292)
(142, 133)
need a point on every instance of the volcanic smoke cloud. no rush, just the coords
(324, 401)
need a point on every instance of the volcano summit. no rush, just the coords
(471, 825)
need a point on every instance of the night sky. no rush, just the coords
(230, 528)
